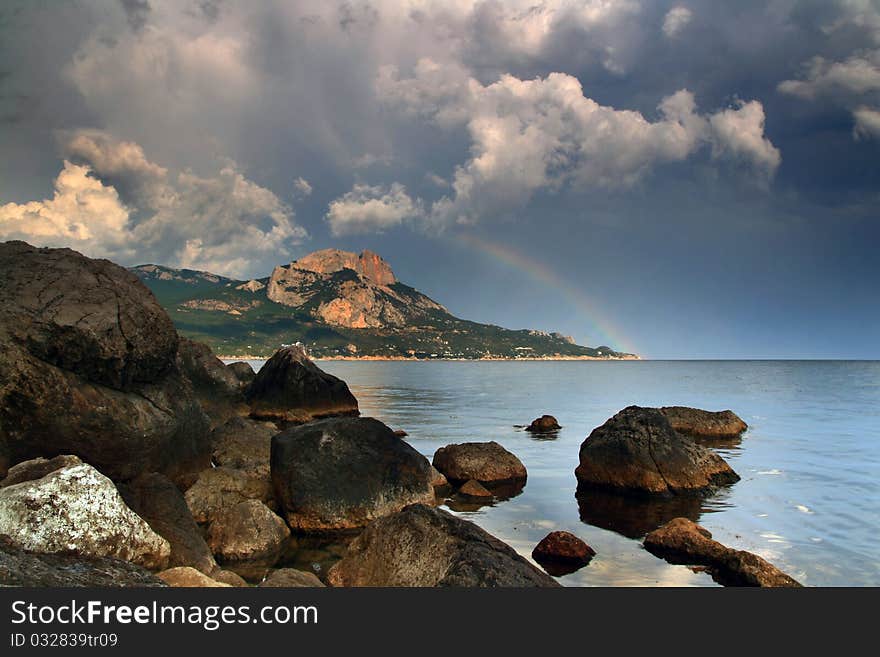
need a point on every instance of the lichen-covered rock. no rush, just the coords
(20, 568)
(87, 367)
(488, 463)
(638, 451)
(244, 444)
(37, 468)
(186, 577)
(424, 546)
(291, 388)
(704, 424)
(247, 539)
(218, 489)
(157, 500)
(342, 473)
(685, 542)
(285, 578)
(77, 510)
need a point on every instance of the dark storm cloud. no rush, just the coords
(761, 115)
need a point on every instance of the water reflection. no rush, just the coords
(634, 516)
(500, 493)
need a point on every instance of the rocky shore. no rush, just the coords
(130, 456)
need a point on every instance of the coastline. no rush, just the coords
(225, 357)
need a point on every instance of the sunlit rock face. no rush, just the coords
(348, 290)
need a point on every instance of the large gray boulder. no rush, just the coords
(342, 473)
(88, 367)
(291, 388)
(248, 539)
(218, 489)
(244, 444)
(424, 546)
(215, 385)
(638, 451)
(77, 510)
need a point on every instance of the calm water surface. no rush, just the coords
(808, 501)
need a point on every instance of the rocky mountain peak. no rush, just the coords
(367, 264)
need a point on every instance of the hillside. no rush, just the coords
(338, 304)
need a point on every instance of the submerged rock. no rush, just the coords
(285, 578)
(21, 568)
(342, 473)
(88, 367)
(544, 424)
(157, 500)
(424, 546)
(561, 553)
(185, 577)
(638, 451)
(218, 489)
(682, 541)
(291, 388)
(77, 510)
(247, 539)
(488, 463)
(704, 424)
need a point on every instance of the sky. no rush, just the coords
(684, 179)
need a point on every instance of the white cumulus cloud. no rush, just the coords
(369, 208)
(676, 20)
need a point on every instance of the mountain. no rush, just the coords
(338, 304)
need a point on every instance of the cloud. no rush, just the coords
(371, 209)
(544, 134)
(676, 20)
(223, 222)
(856, 75)
(302, 188)
(867, 123)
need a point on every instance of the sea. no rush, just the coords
(809, 496)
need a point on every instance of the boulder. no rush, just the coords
(424, 546)
(229, 577)
(704, 424)
(217, 388)
(285, 578)
(682, 541)
(37, 468)
(185, 577)
(243, 372)
(218, 489)
(474, 489)
(637, 451)
(88, 367)
(20, 568)
(157, 500)
(437, 479)
(342, 473)
(244, 444)
(561, 553)
(488, 463)
(77, 510)
(291, 388)
(247, 539)
(544, 424)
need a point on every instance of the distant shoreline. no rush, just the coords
(454, 360)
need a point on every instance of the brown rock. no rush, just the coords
(437, 479)
(424, 546)
(186, 577)
(37, 469)
(400, 433)
(685, 542)
(217, 388)
(291, 388)
(157, 500)
(244, 444)
(488, 463)
(544, 424)
(229, 577)
(369, 265)
(473, 489)
(217, 489)
(704, 424)
(87, 367)
(638, 451)
(243, 372)
(342, 473)
(247, 539)
(285, 578)
(561, 553)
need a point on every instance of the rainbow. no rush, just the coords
(603, 329)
